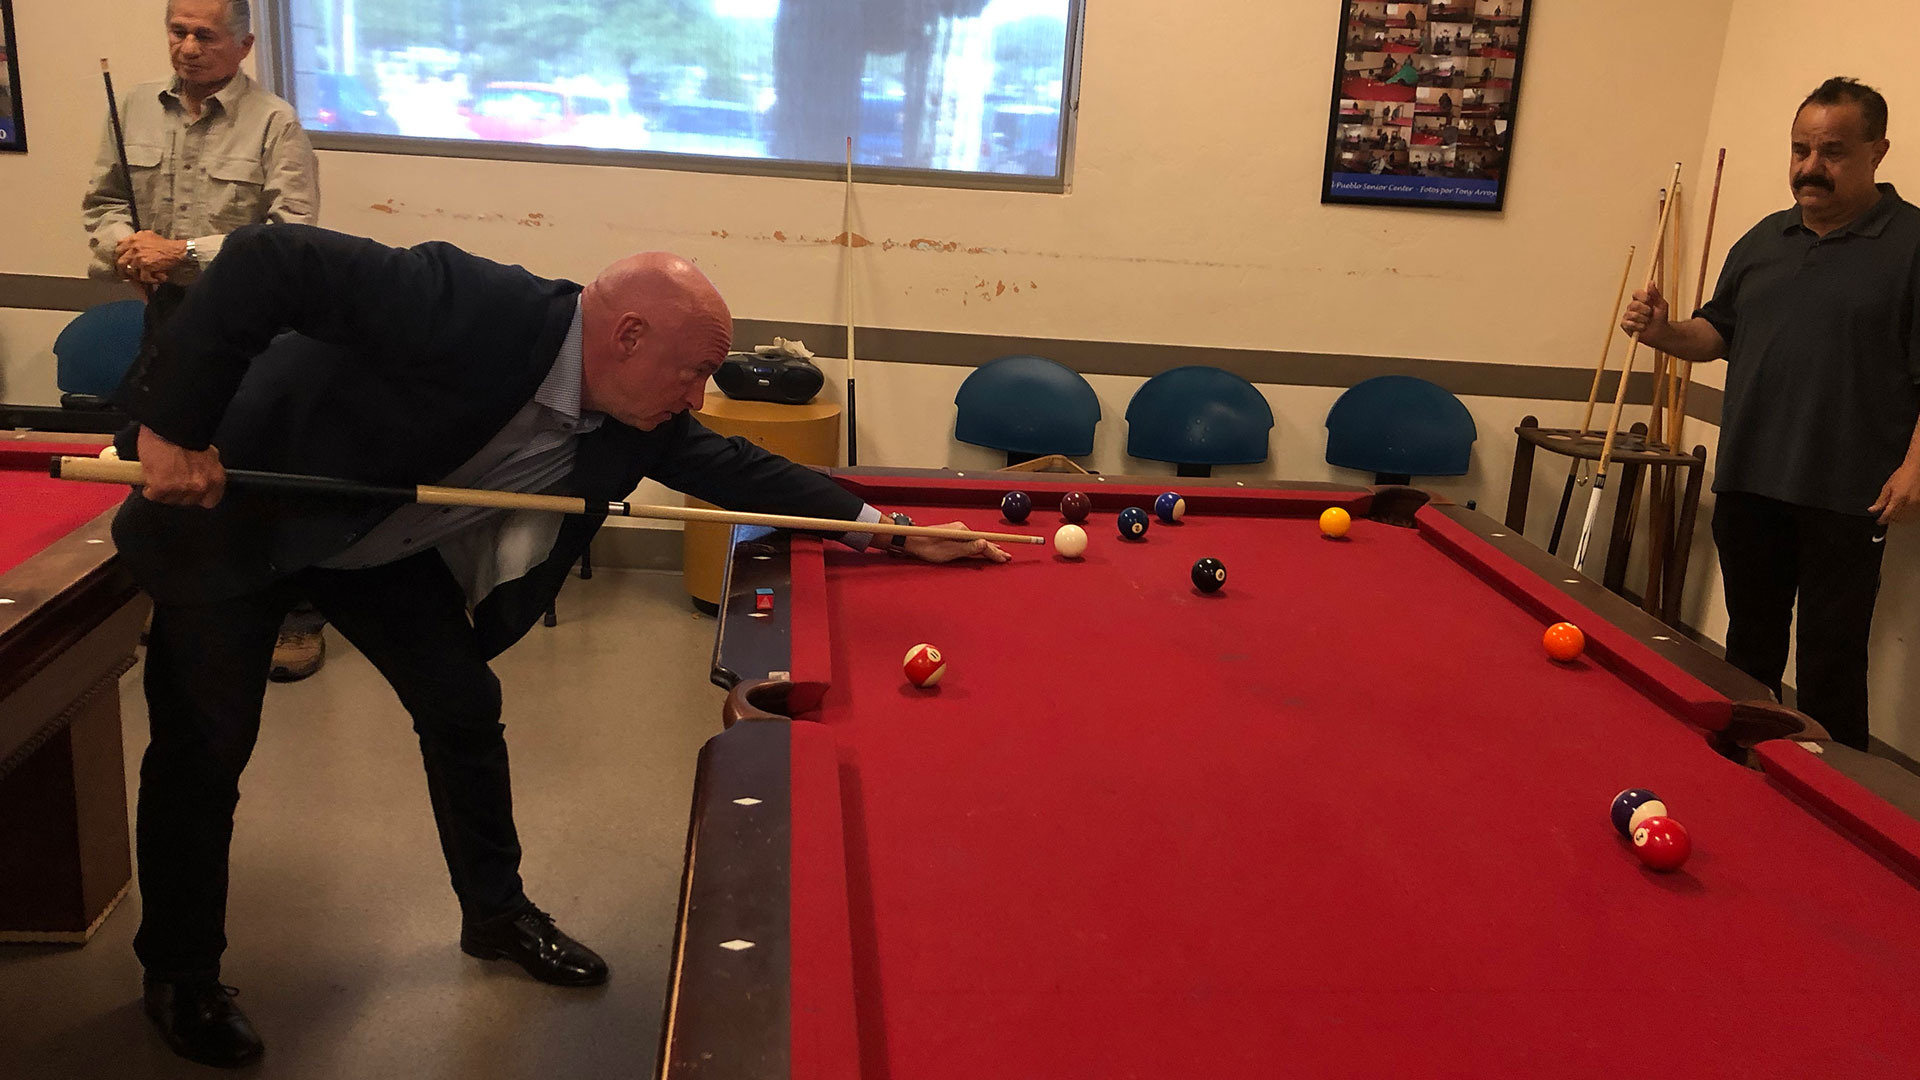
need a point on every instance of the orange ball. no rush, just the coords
(1564, 642)
(1334, 522)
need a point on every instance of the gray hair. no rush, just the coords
(239, 16)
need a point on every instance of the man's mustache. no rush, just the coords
(1812, 181)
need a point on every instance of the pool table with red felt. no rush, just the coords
(1342, 818)
(70, 619)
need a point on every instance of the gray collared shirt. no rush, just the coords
(245, 160)
(534, 452)
(1823, 356)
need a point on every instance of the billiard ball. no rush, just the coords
(1070, 541)
(1133, 523)
(1625, 803)
(1650, 808)
(1662, 843)
(1564, 642)
(1170, 507)
(1209, 574)
(1015, 506)
(925, 666)
(1334, 522)
(109, 453)
(1075, 506)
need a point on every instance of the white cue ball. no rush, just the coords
(1071, 541)
(1650, 808)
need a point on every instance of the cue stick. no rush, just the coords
(1576, 467)
(1620, 395)
(846, 217)
(126, 171)
(120, 143)
(1699, 296)
(98, 470)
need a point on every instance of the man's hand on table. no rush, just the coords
(935, 550)
(147, 258)
(176, 476)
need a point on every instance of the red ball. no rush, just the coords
(1662, 843)
(925, 666)
(1075, 506)
(1564, 642)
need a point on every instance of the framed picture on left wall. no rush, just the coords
(13, 127)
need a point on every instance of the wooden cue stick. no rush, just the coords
(1699, 297)
(1619, 401)
(1658, 484)
(101, 471)
(1577, 466)
(846, 216)
(1656, 407)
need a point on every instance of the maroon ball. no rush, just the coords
(1075, 506)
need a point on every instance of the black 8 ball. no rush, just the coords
(1133, 523)
(1209, 574)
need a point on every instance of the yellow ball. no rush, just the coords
(1334, 522)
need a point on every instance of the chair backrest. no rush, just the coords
(1199, 416)
(1400, 425)
(1027, 405)
(93, 352)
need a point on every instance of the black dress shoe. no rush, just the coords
(201, 1023)
(531, 940)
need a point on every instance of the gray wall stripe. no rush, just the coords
(1470, 378)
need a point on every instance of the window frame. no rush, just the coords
(275, 64)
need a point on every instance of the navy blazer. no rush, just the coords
(308, 351)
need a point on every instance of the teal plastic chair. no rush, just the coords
(94, 351)
(1026, 407)
(1398, 427)
(1198, 417)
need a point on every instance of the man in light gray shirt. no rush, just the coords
(208, 152)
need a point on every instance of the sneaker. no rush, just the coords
(297, 654)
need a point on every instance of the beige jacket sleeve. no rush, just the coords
(105, 209)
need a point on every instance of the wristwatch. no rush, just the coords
(898, 546)
(193, 253)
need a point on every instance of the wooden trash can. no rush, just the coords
(808, 434)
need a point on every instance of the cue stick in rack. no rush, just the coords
(1627, 532)
(846, 216)
(1576, 467)
(1619, 399)
(105, 471)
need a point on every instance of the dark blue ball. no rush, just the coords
(1133, 523)
(1015, 506)
(1170, 507)
(1625, 803)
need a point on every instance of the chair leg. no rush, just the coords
(1193, 470)
(586, 564)
(1393, 479)
(551, 618)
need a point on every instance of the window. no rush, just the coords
(962, 92)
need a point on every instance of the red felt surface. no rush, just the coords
(36, 509)
(1342, 819)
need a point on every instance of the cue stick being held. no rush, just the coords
(846, 219)
(107, 471)
(1620, 393)
(1699, 298)
(1576, 466)
(120, 147)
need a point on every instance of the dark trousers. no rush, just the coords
(1772, 553)
(206, 677)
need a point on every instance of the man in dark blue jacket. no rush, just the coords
(418, 366)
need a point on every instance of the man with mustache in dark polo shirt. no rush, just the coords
(1818, 315)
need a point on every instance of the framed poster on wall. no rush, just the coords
(13, 129)
(1424, 95)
